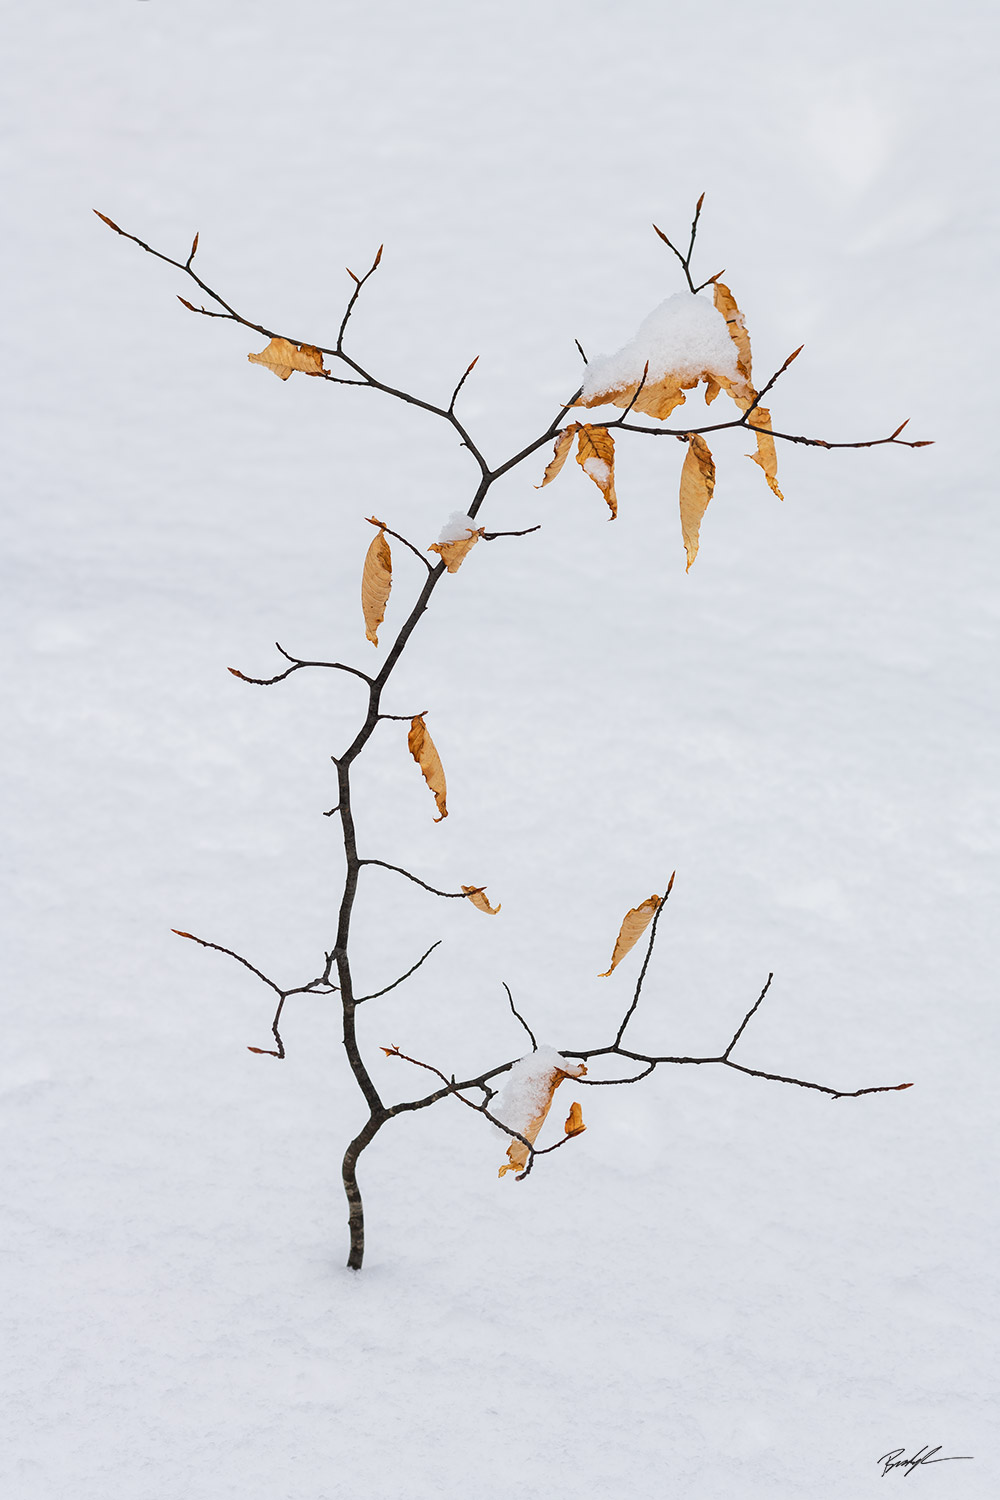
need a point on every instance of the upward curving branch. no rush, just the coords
(336, 977)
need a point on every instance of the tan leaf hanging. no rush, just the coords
(283, 357)
(656, 399)
(574, 1123)
(517, 1151)
(477, 895)
(633, 926)
(766, 456)
(376, 581)
(454, 553)
(596, 456)
(564, 443)
(697, 484)
(725, 303)
(426, 756)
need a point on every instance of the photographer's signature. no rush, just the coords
(895, 1459)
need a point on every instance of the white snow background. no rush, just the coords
(725, 1287)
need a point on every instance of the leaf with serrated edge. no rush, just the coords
(596, 456)
(697, 484)
(455, 553)
(564, 443)
(766, 456)
(426, 756)
(376, 582)
(477, 895)
(517, 1151)
(634, 924)
(282, 357)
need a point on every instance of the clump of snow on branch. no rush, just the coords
(527, 1092)
(456, 528)
(685, 335)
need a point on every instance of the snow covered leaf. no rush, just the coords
(564, 443)
(574, 1122)
(760, 421)
(477, 895)
(683, 341)
(633, 926)
(596, 456)
(283, 357)
(423, 752)
(697, 484)
(376, 581)
(524, 1101)
(454, 553)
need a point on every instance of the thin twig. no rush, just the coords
(749, 1015)
(491, 536)
(415, 550)
(454, 398)
(645, 962)
(451, 895)
(229, 952)
(517, 1013)
(362, 998)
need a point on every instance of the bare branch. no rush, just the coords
(297, 665)
(645, 963)
(229, 952)
(415, 550)
(517, 1013)
(451, 895)
(454, 397)
(749, 1015)
(362, 998)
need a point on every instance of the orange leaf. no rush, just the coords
(455, 553)
(564, 443)
(426, 756)
(283, 357)
(574, 1123)
(725, 303)
(376, 581)
(542, 1087)
(477, 895)
(596, 456)
(633, 926)
(760, 421)
(697, 484)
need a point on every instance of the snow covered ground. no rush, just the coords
(725, 1287)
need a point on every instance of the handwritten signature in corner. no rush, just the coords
(895, 1459)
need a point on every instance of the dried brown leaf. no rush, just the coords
(712, 389)
(766, 456)
(283, 357)
(726, 304)
(697, 484)
(596, 456)
(455, 553)
(426, 756)
(574, 1122)
(376, 582)
(477, 895)
(564, 443)
(656, 399)
(517, 1151)
(633, 926)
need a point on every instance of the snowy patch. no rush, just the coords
(528, 1089)
(597, 469)
(686, 335)
(457, 527)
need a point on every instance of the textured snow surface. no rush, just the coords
(686, 335)
(726, 1289)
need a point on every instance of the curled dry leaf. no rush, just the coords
(596, 456)
(574, 1122)
(564, 443)
(697, 484)
(633, 926)
(426, 756)
(760, 420)
(726, 304)
(477, 895)
(517, 1151)
(656, 399)
(455, 553)
(283, 357)
(376, 581)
